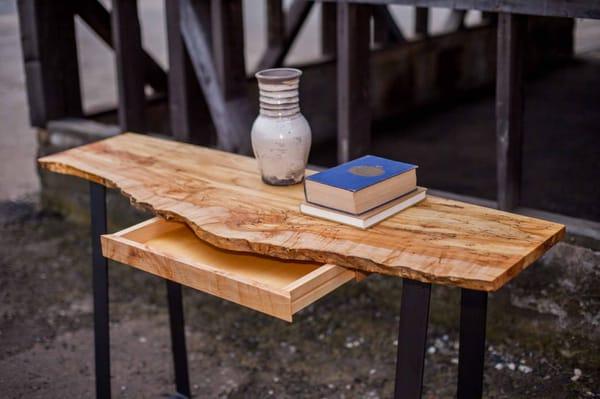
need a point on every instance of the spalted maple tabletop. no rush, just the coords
(222, 198)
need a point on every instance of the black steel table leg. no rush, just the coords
(412, 338)
(176, 321)
(473, 309)
(100, 289)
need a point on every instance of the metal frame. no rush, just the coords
(412, 329)
(101, 311)
(100, 290)
(412, 341)
(177, 326)
(471, 355)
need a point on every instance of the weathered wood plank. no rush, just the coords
(97, 17)
(188, 112)
(231, 118)
(422, 21)
(381, 33)
(353, 111)
(275, 23)
(512, 36)
(455, 21)
(127, 40)
(228, 52)
(385, 29)
(221, 197)
(329, 29)
(228, 46)
(557, 8)
(275, 55)
(50, 60)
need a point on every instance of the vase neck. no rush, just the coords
(279, 100)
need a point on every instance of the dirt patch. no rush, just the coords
(543, 338)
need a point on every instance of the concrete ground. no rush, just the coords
(543, 330)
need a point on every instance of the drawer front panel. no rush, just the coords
(172, 251)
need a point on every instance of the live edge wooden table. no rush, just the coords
(220, 230)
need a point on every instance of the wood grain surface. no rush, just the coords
(221, 197)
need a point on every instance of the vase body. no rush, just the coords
(281, 136)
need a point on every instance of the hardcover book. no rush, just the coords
(360, 185)
(369, 218)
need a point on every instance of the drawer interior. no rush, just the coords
(274, 286)
(179, 241)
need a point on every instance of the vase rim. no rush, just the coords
(278, 75)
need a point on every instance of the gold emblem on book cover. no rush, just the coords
(366, 170)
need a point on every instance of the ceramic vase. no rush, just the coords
(281, 136)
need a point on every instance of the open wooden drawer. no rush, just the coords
(171, 250)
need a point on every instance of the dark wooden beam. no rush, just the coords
(386, 30)
(353, 109)
(489, 17)
(422, 21)
(328, 29)
(512, 36)
(295, 17)
(127, 41)
(228, 46)
(50, 60)
(97, 17)
(455, 21)
(228, 52)
(189, 115)
(556, 8)
(275, 23)
(230, 117)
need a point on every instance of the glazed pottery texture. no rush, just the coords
(281, 136)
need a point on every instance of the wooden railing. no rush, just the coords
(207, 70)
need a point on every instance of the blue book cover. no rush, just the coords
(361, 172)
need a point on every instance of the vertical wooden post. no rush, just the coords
(197, 42)
(190, 119)
(381, 35)
(489, 17)
(228, 46)
(230, 63)
(385, 29)
(455, 21)
(512, 34)
(295, 16)
(353, 108)
(127, 41)
(231, 117)
(422, 21)
(98, 18)
(328, 28)
(275, 23)
(50, 60)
